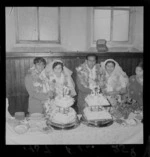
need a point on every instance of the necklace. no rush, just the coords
(59, 79)
(92, 72)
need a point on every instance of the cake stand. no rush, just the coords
(96, 122)
(68, 126)
(102, 107)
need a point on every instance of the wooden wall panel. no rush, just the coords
(17, 65)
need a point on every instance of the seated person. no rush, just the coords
(88, 77)
(115, 78)
(132, 107)
(36, 86)
(60, 78)
(115, 88)
(135, 87)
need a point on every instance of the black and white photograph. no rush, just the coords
(74, 75)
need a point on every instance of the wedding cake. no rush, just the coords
(96, 115)
(64, 101)
(95, 110)
(96, 100)
(63, 116)
(62, 112)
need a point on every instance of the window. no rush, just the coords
(111, 23)
(38, 25)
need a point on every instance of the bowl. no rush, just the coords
(21, 129)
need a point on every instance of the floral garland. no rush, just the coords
(113, 83)
(40, 81)
(83, 73)
(58, 85)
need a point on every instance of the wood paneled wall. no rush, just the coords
(17, 65)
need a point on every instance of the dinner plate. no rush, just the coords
(63, 126)
(97, 123)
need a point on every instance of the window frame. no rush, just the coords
(129, 41)
(38, 41)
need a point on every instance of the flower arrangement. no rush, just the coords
(59, 85)
(124, 108)
(87, 80)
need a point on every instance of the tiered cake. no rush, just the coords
(96, 99)
(99, 114)
(95, 110)
(63, 113)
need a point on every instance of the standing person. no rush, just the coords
(36, 86)
(88, 78)
(60, 79)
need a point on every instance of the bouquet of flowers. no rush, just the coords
(124, 108)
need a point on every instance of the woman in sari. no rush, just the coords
(60, 80)
(115, 89)
(115, 78)
(60, 83)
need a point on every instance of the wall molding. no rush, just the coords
(71, 54)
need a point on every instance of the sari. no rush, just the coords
(116, 83)
(64, 82)
(60, 86)
(117, 80)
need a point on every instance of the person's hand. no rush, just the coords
(52, 85)
(101, 84)
(50, 94)
(112, 100)
(66, 90)
(123, 91)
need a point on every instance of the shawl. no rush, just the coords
(117, 79)
(65, 81)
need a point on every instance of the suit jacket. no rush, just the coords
(35, 102)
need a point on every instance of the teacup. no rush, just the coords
(19, 115)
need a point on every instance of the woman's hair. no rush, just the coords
(58, 63)
(39, 60)
(110, 62)
(92, 55)
(140, 64)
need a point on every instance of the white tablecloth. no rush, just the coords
(113, 134)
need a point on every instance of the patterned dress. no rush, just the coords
(136, 90)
